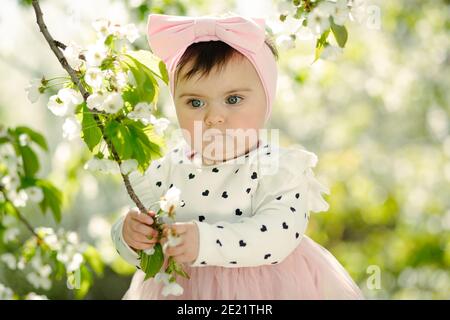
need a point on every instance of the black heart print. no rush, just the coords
(238, 212)
(215, 170)
(263, 228)
(191, 176)
(292, 209)
(224, 195)
(205, 193)
(267, 255)
(201, 218)
(242, 243)
(254, 175)
(159, 183)
(285, 226)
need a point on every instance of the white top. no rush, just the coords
(250, 211)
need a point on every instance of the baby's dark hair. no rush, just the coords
(207, 54)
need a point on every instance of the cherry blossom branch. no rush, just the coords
(23, 219)
(55, 45)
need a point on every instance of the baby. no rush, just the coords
(245, 201)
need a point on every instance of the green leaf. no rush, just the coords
(92, 134)
(52, 198)
(85, 282)
(121, 139)
(109, 41)
(146, 85)
(340, 33)
(152, 62)
(152, 264)
(320, 44)
(34, 136)
(92, 256)
(147, 146)
(30, 161)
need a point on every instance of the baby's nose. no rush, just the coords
(213, 118)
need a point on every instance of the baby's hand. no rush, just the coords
(187, 249)
(136, 230)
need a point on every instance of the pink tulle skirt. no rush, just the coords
(309, 272)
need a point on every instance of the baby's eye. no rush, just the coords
(196, 103)
(233, 99)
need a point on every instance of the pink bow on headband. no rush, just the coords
(169, 36)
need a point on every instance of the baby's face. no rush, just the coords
(229, 104)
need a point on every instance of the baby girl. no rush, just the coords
(246, 201)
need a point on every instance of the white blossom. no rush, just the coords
(131, 32)
(95, 54)
(75, 262)
(9, 259)
(95, 101)
(359, 10)
(24, 139)
(340, 12)
(142, 112)
(19, 199)
(5, 293)
(159, 124)
(72, 237)
(286, 8)
(38, 281)
(128, 165)
(72, 55)
(10, 234)
(102, 165)
(52, 241)
(285, 41)
(35, 194)
(94, 77)
(325, 8)
(331, 52)
(119, 80)
(64, 103)
(71, 128)
(113, 103)
(34, 89)
(149, 251)
(171, 200)
(172, 288)
(173, 240)
(34, 296)
(102, 26)
(318, 22)
(162, 277)
(11, 182)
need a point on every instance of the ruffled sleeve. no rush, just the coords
(149, 187)
(280, 206)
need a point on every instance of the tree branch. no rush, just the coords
(22, 218)
(55, 45)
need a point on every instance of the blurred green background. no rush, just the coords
(376, 115)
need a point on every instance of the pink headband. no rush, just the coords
(169, 36)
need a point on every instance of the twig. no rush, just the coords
(23, 219)
(55, 45)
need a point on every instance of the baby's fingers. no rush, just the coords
(142, 218)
